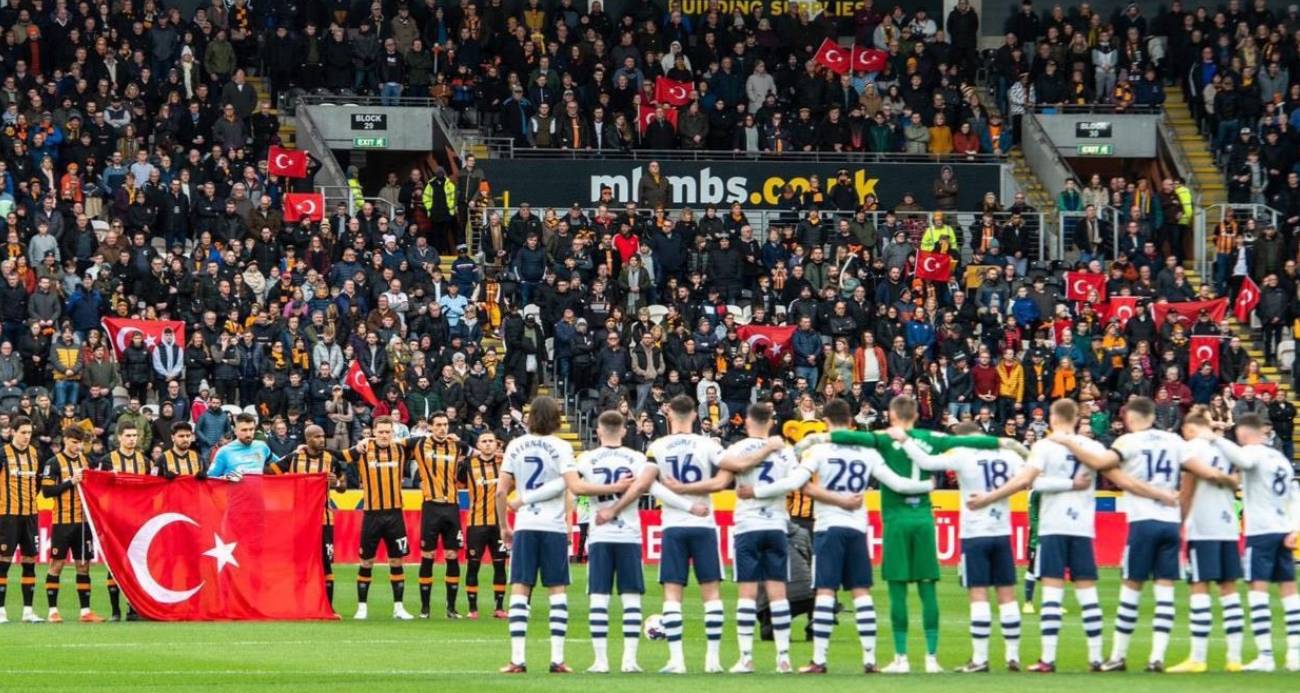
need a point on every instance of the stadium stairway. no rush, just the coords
(288, 137)
(1035, 194)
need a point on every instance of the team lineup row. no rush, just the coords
(1171, 482)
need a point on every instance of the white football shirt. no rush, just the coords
(688, 458)
(534, 461)
(1068, 513)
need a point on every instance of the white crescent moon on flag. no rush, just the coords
(124, 337)
(677, 92)
(307, 207)
(1081, 287)
(930, 264)
(279, 160)
(137, 554)
(358, 380)
(1204, 353)
(1124, 312)
(833, 56)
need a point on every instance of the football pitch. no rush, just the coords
(463, 656)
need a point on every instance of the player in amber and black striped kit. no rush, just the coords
(436, 458)
(313, 458)
(379, 463)
(71, 538)
(478, 474)
(181, 459)
(19, 469)
(126, 459)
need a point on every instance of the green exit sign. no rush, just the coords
(370, 142)
(1096, 149)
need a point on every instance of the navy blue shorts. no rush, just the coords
(682, 546)
(840, 559)
(1062, 553)
(762, 555)
(1268, 559)
(1211, 560)
(607, 560)
(1152, 551)
(545, 552)
(987, 562)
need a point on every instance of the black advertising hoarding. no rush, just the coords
(754, 184)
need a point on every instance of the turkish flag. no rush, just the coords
(1238, 389)
(1202, 350)
(672, 92)
(643, 121)
(1079, 284)
(1189, 310)
(934, 266)
(775, 342)
(1120, 308)
(1247, 299)
(120, 330)
(356, 380)
(868, 59)
(833, 57)
(310, 206)
(290, 163)
(199, 550)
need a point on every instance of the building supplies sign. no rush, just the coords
(754, 184)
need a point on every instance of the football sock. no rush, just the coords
(559, 626)
(327, 558)
(1009, 616)
(1261, 622)
(746, 615)
(29, 584)
(1050, 621)
(1093, 621)
(453, 582)
(714, 617)
(426, 583)
(52, 590)
(781, 627)
(114, 596)
(471, 584)
(981, 624)
(898, 615)
(1031, 581)
(930, 615)
(1126, 615)
(823, 622)
(83, 591)
(518, 627)
(4, 582)
(672, 623)
(1291, 606)
(397, 581)
(864, 613)
(1233, 624)
(631, 627)
(363, 583)
(499, 582)
(1163, 622)
(1199, 622)
(598, 619)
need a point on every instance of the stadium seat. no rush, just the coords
(657, 313)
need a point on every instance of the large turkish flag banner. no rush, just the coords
(121, 330)
(1079, 284)
(1204, 349)
(834, 58)
(290, 163)
(210, 550)
(933, 266)
(304, 205)
(773, 342)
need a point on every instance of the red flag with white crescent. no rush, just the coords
(773, 342)
(290, 163)
(1120, 308)
(120, 331)
(647, 112)
(1079, 284)
(868, 59)
(672, 92)
(198, 550)
(1247, 299)
(933, 266)
(1204, 349)
(310, 206)
(833, 57)
(1190, 310)
(356, 380)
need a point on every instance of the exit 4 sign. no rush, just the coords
(370, 142)
(1096, 150)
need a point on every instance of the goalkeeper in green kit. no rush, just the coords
(909, 543)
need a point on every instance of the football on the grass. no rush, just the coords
(654, 627)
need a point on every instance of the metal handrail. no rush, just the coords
(729, 155)
(1183, 165)
(1098, 108)
(363, 100)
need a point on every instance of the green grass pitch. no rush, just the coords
(462, 656)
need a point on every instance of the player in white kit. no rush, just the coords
(614, 542)
(1268, 494)
(683, 459)
(987, 558)
(1155, 458)
(840, 556)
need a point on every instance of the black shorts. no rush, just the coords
(327, 543)
(482, 540)
(387, 526)
(73, 541)
(18, 533)
(439, 520)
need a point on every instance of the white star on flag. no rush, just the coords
(223, 552)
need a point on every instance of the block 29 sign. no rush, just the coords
(1090, 130)
(369, 122)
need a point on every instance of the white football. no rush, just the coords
(654, 627)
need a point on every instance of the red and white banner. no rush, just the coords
(290, 163)
(648, 112)
(356, 380)
(121, 330)
(1204, 349)
(310, 206)
(190, 550)
(1189, 310)
(1239, 389)
(833, 57)
(672, 92)
(868, 59)
(1119, 308)
(1247, 299)
(933, 266)
(775, 342)
(1079, 285)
